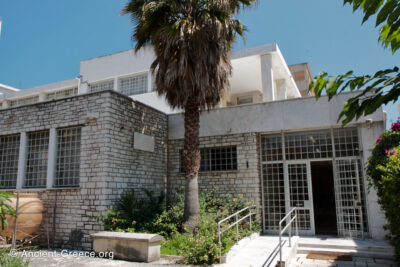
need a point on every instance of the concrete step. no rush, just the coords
(345, 246)
(379, 254)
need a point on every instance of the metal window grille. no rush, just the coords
(298, 188)
(9, 153)
(153, 83)
(216, 159)
(37, 156)
(349, 199)
(62, 93)
(68, 157)
(274, 195)
(102, 86)
(133, 85)
(271, 147)
(24, 101)
(346, 142)
(308, 145)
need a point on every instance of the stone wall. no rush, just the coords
(125, 166)
(245, 181)
(109, 163)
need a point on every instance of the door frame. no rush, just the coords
(310, 204)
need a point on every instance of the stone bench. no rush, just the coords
(128, 246)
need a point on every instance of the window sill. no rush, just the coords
(26, 190)
(213, 172)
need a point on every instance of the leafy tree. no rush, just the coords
(380, 88)
(192, 40)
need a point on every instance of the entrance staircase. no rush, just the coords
(378, 249)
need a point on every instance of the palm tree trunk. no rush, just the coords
(191, 156)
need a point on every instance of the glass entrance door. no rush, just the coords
(300, 195)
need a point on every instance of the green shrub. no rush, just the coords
(11, 261)
(5, 208)
(199, 247)
(133, 214)
(383, 170)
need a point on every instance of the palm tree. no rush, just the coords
(192, 41)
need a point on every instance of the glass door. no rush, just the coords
(348, 197)
(299, 194)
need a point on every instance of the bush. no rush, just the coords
(199, 247)
(9, 261)
(383, 170)
(132, 214)
(5, 208)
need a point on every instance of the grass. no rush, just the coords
(8, 261)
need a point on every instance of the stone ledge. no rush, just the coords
(128, 246)
(149, 238)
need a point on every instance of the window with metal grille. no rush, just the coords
(37, 156)
(62, 93)
(271, 146)
(9, 153)
(133, 85)
(274, 195)
(24, 101)
(346, 142)
(308, 145)
(68, 157)
(246, 99)
(216, 159)
(101, 86)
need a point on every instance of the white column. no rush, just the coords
(149, 81)
(51, 160)
(83, 88)
(23, 150)
(267, 78)
(42, 97)
(116, 85)
(6, 104)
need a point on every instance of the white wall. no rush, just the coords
(119, 64)
(286, 115)
(154, 100)
(376, 218)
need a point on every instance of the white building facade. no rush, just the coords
(267, 141)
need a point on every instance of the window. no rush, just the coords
(102, 86)
(9, 153)
(216, 159)
(271, 147)
(37, 155)
(68, 157)
(133, 85)
(346, 142)
(308, 145)
(62, 93)
(245, 99)
(274, 195)
(24, 101)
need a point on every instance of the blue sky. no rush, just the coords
(43, 41)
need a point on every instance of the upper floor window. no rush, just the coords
(62, 93)
(134, 85)
(24, 101)
(37, 156)
(68, 157)
(216, 159)
(101, 86)
(9, 154)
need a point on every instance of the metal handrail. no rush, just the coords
(282, 231)
(237, 221)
